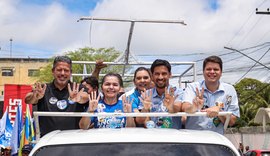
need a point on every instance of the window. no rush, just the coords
(133, 149)
(33, 72)
(7, 72)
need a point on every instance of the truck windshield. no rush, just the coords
(135, 149)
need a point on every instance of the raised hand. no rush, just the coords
(169, 99)
(100, 64)
(127, 104)
(146, 99)
(198, 101)
(75, 94)
(93, 101)
(39, 90)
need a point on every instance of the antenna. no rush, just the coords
(127, 51)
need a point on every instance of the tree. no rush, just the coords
(252, 95)
(84, 54)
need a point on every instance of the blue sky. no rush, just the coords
(213, 4)
(82, 6)
(43, 28)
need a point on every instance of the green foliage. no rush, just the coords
(45, 73)
(252, 95)
(91, 54)
(84, 54)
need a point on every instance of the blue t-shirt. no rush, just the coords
(109, 122)
(134, 95)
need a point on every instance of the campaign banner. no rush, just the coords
(13, 96)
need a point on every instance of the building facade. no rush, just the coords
(21, 71)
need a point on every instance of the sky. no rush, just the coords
(45, 28)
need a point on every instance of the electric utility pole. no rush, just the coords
(263, 12)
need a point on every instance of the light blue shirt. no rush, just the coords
(225, 94)
(157, 106)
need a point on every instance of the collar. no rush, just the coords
(155, 93)
(220, 87)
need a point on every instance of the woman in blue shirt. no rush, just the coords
(110, 87)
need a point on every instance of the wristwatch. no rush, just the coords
(70, 101)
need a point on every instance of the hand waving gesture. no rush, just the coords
(39, 90)
(146, 99)
(75, 94)
(127, 104)
(198, 101)
(169, 99)
(93, 101)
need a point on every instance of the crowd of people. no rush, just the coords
(152, 92)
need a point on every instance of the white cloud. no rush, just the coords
(206, 31)
(54, 28)
(45, 28)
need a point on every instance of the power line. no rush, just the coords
(252, 66)
(247, 56)
(256, 50)
(242, 26)
(264, 34)
(263, 45)
(247, 34)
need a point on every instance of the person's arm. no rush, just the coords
(130, 122)
(31, 98)
(172, 100)
(85, 122)
(83, 98)
(76, 95)
(232, 121)
(188, 107)
(98, 66)
(37, 93)
(197, 102)
(127, 108)
(146, 100)
(143, 120)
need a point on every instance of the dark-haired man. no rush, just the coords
(91, 83)
(211, 96)
(61, 95)
(162, 98)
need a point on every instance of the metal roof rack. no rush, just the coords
(86, 114)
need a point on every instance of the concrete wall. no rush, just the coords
(254, 137)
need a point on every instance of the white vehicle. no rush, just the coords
(134, 142)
